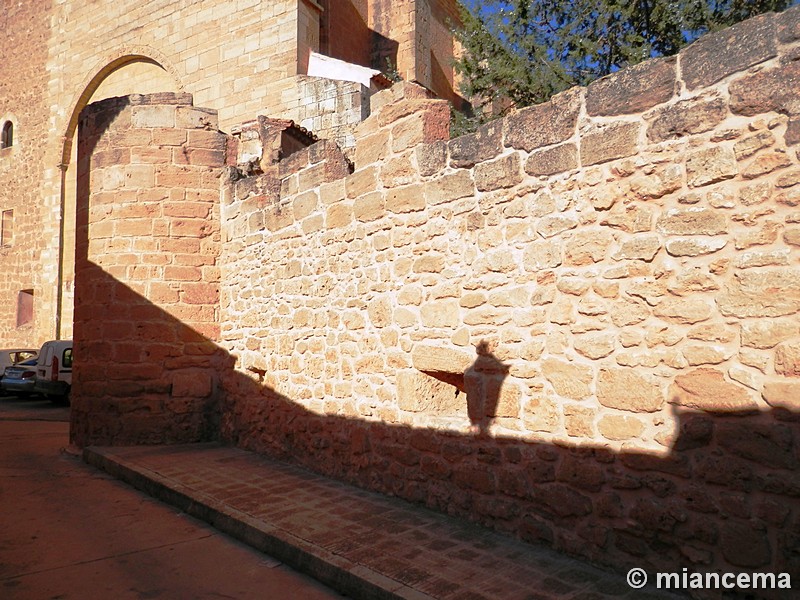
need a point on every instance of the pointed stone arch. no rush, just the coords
(151, 72)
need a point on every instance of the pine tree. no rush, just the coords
(521, 52)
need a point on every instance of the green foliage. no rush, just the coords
(522, 52)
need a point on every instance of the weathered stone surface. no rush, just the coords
(405, 199)
(752, 144)
(553, 160)
(787, 359)
(710, 165)
(619, 427)
(626, 389)
(768, 90)
(632, 90)
(761, 293)
(766, 163)
(792, 135)
(788, 25)
(418, 392)
(501, 173)
(587, 247)
(643, 247)
(703, 354)
(744, 544)
(613, 141)
(569, 380)
(706, 389)
(755, 194)
(545, 124)
(469, 150)
(631, 218)
(758, 258)
(440, 313)
(595, 345)
(768, 333)
(629, 313)
(687, 311)
(783, 394)
(742, 45)
(450, 187)
(541, 254)
(431, 158)
(692, 221)
(551, 226)
(695, 246)
(369, 207)
(437, 359)
(686, 117)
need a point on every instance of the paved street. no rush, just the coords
(68, 531)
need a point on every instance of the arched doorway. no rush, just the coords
(128, 74)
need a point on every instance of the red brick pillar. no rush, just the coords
(147, 282)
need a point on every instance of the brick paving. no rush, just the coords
(364, 544)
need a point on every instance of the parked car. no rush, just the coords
(19, 379)
(54, 370)
(12, 357)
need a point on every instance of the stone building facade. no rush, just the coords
(241, 58)
(579, 325)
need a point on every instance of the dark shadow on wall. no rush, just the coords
(726, 496)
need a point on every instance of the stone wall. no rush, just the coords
(23, 86)
(146, 272)
(580, 324)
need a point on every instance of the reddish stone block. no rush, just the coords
(634, 89)
(743, 45)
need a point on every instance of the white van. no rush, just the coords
(54, 369)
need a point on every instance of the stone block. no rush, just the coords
(773, 292)
(421, 393)
(695, 246)
(450, 187)
(767, 90)
(743, 45)
(552, 161)
(706, 389)
(683, 310)
(372, 149)
(431, 158)
(501, 173)
(627, 389)
(644, 247)
(788, 23)
(692, 221)
(619, 427)
(304, 205)
(438, 359)
(361, 182)
(369, 207)
(634, 89)
(631, 218)
(610, 142)
(195, 384)
(545, 124)
(570, 380)
(405, 199)
(339, 215)
(710, 165)
(783, 394)
(787, 359)
(468, 150)
(687, 117)
(587, 247)
(397, 171)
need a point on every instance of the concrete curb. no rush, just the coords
(356, 581)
